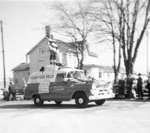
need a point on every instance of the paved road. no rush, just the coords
(112, 117)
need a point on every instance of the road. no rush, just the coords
(113, 117)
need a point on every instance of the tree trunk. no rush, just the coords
(81, 61)
(129, 67)
(115, 77)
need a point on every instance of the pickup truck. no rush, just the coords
(64, 85)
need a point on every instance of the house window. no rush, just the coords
(100, 75)
(64, 59)
(41, 51)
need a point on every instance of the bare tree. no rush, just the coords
(134, 19)
(107, 28)
(76, 24)
(128, 19)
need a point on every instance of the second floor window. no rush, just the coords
(42, 51)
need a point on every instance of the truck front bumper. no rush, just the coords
(100, 96)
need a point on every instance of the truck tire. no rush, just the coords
(81, 100)
(37, 100)
(58, 102)
(100, 102)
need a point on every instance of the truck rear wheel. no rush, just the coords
(100, 102)
(58, 102)
(81, 100)
(37, 100)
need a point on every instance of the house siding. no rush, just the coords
(40, 56)
(20, 78)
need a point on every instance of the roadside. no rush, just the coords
(18, 98)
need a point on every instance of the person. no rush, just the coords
(134, 89)
(148, 86)
(11, 92)
(54, 53)
(139, 86)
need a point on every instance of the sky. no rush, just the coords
(23, 25)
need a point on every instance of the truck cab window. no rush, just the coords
(60, 77)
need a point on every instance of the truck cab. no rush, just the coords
(66, 84)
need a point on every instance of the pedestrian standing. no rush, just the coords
(139, 86)
(148, 86)
(134, 88)
(11, 91)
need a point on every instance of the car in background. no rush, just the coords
(2, 93)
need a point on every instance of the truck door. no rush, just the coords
(58, 88)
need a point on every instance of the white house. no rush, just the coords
(20, 75)
(39, 56)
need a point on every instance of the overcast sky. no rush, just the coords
(24, 26)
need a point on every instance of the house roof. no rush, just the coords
(65, 45)
(21, 67)
(92, 65)
(90, 53)
(62, 45)
(32, 49)
(108, 69)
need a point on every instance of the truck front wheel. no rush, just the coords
(100, 102)
(37, 100)
(81, 100)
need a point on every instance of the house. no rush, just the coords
(105, 73)
(20, 75)
(99, 72)
(39, 56)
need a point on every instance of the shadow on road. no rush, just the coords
(45, 106)
(131, 100)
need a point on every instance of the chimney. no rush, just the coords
(47, 31)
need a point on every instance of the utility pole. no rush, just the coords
(147, 52)
(3, 54)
